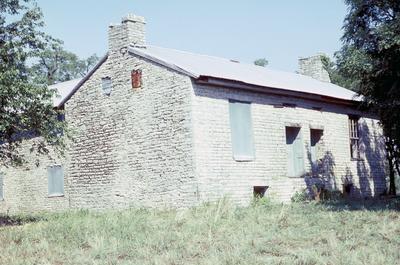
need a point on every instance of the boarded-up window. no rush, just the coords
(136, 78)
(241, 130)
(106, 85)
(55, 176)
(295, 152)
(1, 186)
(354, 137)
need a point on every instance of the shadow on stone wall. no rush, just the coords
(369, 168)
(372, 162)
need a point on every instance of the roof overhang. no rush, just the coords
(84, 79)
(218, 82)
(162, 62)
(229, 83)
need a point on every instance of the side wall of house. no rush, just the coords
(134, 146)
(25, 188)
(220, 175)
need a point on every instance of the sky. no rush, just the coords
(279, 30)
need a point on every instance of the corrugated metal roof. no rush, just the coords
(63, 90)
(196, 65)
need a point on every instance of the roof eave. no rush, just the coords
(227, 83)
(143, 54)
(84, 79)
(217, 81)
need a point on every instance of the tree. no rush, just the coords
(26, 108)
(55, 64)
(341, 70)
(371, 56)
(261, 62)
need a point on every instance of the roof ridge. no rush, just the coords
(196, 54)
(196, 65)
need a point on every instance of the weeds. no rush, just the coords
(264, 233)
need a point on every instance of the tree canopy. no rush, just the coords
(369, 63)
(55, 64)
(26, 108)
(261, 62)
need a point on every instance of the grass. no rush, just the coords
(265, 233)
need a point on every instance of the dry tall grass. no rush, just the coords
(264, 233)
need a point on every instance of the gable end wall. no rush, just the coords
(134, 147)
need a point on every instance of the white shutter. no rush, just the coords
(55, 180)
(1, 186)
(241, 130)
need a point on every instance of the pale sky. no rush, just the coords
(279, 30)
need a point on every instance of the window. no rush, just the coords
(136, 78)
(1, 186)
(354, 137)
(259, 191)
(315, 146)
(295, 152)
(106, 85)
(55, 175)
(241, 130)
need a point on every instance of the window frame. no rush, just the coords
(57, 193)
(238, 157)
(354, 137)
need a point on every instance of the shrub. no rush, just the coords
(300, 196)
(261, 201)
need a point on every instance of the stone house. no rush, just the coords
(157, 127)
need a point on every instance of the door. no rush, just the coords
(295, 152)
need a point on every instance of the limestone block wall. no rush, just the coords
(313, 66)
(133, 147)
(26, 188)
(220, 175)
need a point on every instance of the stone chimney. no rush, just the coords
(131, 32)
(313, 66)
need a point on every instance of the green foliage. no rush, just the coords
(261, 201)
(55, 64)
(340, 70)
(369, 63)
(300, 196)
(371, 55)
(26, 108)
(261, 62)
(220, 233)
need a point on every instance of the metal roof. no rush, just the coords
(63, 89)
(196, 66)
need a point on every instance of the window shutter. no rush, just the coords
(299, 152)
(55, 180)
(106, 85)
(290, 153)
(295, 151)
(1, 186)
(50, 179)
(59, 180)
(241, 130)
